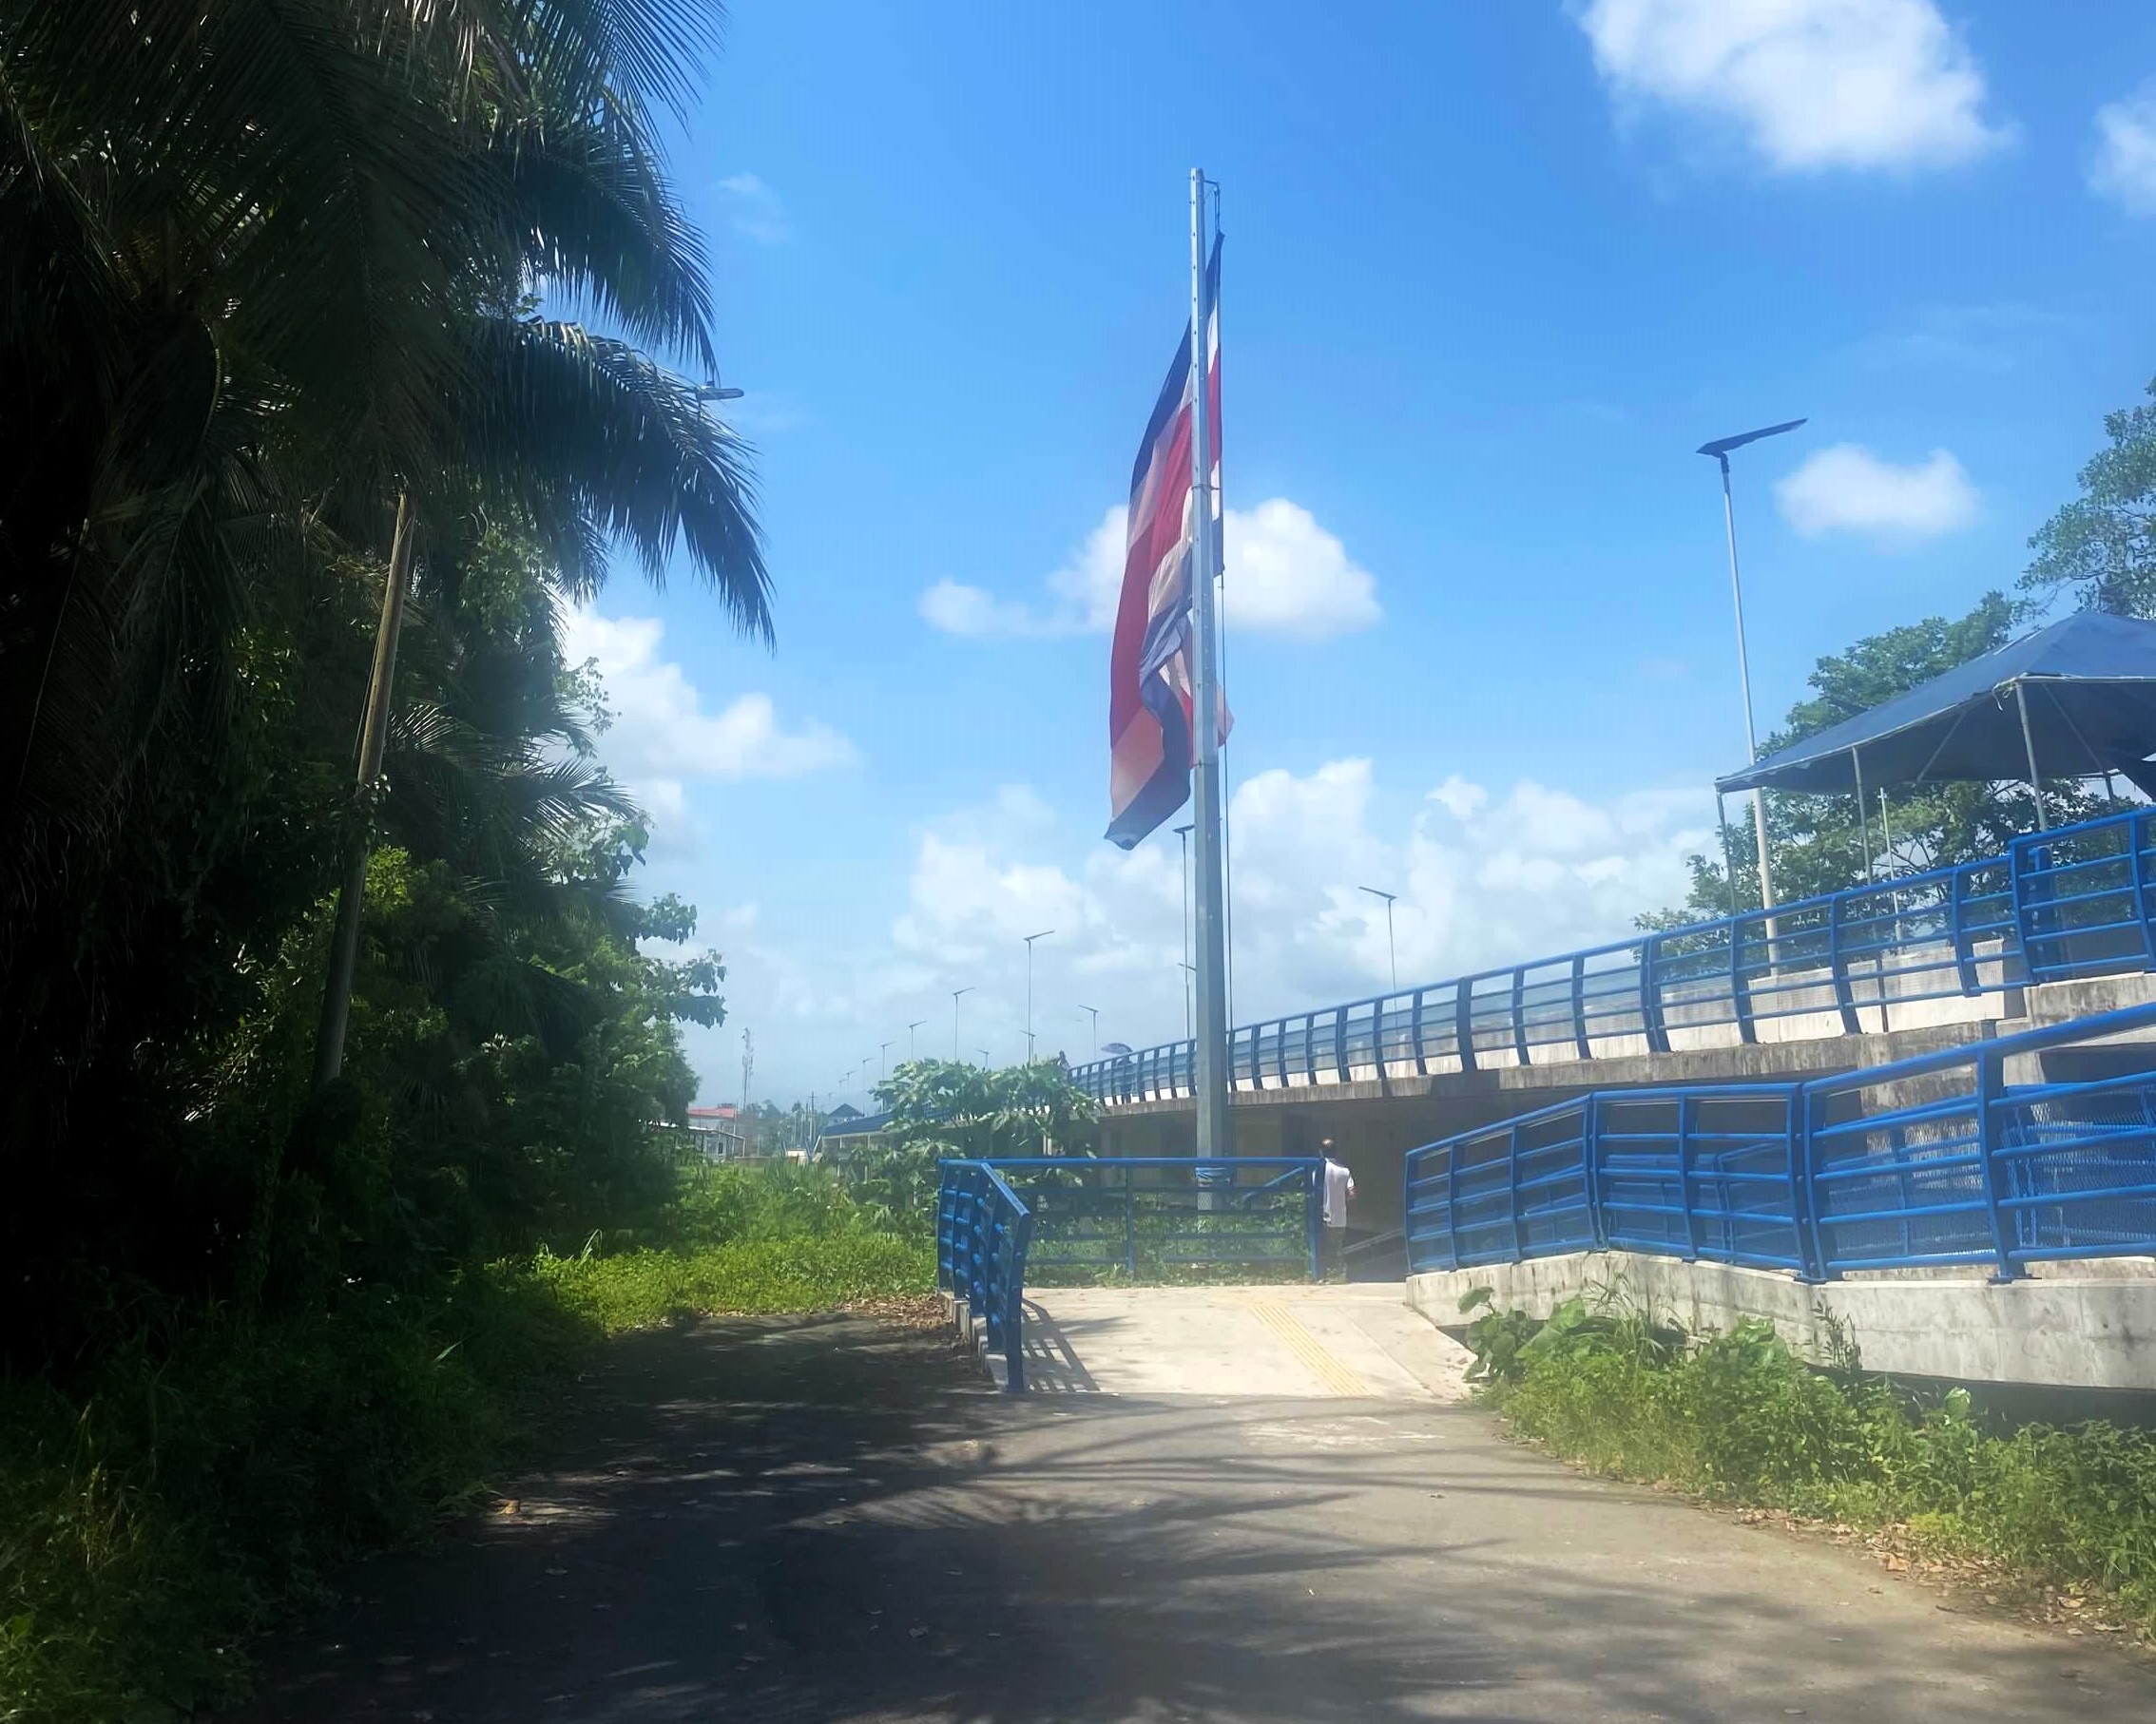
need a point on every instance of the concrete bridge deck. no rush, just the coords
(836, 1519)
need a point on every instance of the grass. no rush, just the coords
(1740, 1418)
(638, 1288)
(203, 1480)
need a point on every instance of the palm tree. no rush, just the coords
(269, 270)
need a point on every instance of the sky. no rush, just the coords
(1491, 274)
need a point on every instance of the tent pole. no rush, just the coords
(1728, 863)
(1864, 825)
(2028, 743)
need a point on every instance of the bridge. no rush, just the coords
(2061, 926)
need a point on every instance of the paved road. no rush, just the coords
(832, 1519)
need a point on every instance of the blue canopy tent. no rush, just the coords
(2073, 700)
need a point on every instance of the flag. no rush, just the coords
(1149, 666)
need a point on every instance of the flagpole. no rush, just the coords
(1210, 1070)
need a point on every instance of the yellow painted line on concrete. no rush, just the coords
(1306, 1348)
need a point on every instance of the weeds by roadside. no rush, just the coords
(1741, 1419)
(211, 1472)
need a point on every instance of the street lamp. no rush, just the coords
(957, 994)
(1030, 939)
(1190, 976)
(1390, 957)
(883, 1062)
(1720, 450)
(1096, 1011)
(910, 1048)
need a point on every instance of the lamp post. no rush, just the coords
(911, 1045)
(883, 1063)
(1392, 958)
(1096, 1011)
(957, 994)
(1720, 450)
(1030, 939)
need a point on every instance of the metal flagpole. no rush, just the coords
(1215, 1133)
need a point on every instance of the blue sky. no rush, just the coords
(1491, 274)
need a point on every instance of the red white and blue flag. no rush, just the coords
(1149, 667)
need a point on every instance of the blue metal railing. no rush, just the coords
(2080, 901)
(1138, 1217)
(1132, 1217)
(983, 1228)
(1954, 1158)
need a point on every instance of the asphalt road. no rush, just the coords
(832, 1519)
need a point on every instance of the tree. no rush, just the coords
(945, 1108)
(1814, 843)
(265, 266)
(2101, 547)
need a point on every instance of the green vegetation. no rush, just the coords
(202, 1481)
(1740, 1418)
(268, 272)
(943, 1108)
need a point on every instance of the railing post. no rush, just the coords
(1256, 1070)
(1740, 987)
(1421, 1063)
(1339, 1045)
(1809, 1106)
(1280, 1052)
(1512, 1191)
(1685, 1109)
(1310, 1048)
(1590, 1167)
(2140, 876)
(1314, 1215)
(1651, 996)
(1838, 969)
(1797, 1124)
(1463, 1021)
(1452, 1202)
(1579, 1007)
(1998, 1172)
(1957, 930)
(1020, 1232)
(1519, 1014)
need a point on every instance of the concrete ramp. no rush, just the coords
(1357, 1342)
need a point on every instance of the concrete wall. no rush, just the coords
(2090, 1327)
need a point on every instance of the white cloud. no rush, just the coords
(1487, 878)
(2125, 167)
(757, 213)
(1483, 880)
(1812, 84)
(1286, 575)
(1847, 489)
(662, 739)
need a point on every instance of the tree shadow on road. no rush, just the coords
(826, 1519)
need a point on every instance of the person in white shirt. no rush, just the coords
(1340, 1187)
